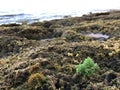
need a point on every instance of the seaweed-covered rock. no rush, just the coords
(44, 55)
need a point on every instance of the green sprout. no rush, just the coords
(87, 68)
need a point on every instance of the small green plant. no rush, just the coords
(87, 68)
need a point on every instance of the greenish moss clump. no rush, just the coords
(36, 81)
(87, 68)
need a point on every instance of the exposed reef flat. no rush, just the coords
(44, 55)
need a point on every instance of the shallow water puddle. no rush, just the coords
(98, 35)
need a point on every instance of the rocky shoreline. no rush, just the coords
(48, 52)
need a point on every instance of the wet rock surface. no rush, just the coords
(49, 52)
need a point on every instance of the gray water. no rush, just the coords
(18, 11)
(30, 18)
(8, 18)
(98, 35)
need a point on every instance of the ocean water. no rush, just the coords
(18, 11)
